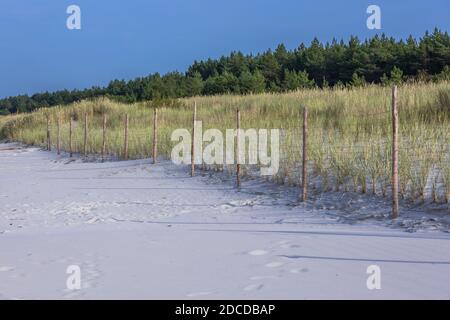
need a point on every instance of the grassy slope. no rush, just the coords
(349, 132)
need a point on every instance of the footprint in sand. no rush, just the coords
(299, 270)
(6, 269)
(225, 208)
(285, 244)
(274, 264)
(253, 287)
(258, 252)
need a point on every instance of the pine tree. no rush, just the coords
(396, 76)
(444, 75)
(357, 81)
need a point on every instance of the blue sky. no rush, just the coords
(127, 39)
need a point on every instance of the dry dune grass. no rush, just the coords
(349, 136)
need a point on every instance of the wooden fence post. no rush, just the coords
(49, 145)
(155, 135)
(70, 137)
(85, 134)
(305, 156)
(238, 165)
(125, 148)
(58, 141)
(104, 137)
(395, 210)
(194, 117)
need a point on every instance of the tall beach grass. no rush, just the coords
(349, 133)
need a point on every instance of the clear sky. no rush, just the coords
(130, 38)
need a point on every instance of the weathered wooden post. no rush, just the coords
(58, 141)
(395, 210)
(85, 134)
(70, 137)
(238, 150)
(104, 137)
(194, 117)
(155, 135)
(304, 195)
(49, 145)
(125, 143)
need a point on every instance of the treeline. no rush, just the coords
(380, 59)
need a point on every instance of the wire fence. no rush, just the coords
(360, 152)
